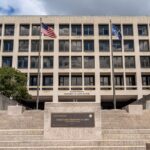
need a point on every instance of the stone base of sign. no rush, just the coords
(135, 109)
(71, 132)
(15, 110)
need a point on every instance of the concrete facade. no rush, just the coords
(94, 93)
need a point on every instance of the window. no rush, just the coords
(89, 62)
(23, 45)
(63, 80)
(129, 61)
(117, 27)
(64, 29)
(145, 61)
(128, 30)
(104, 62)
(23, 62)
(76, 45)
(47, 80)
(63, 61)
(76, 62)
(103, 29)
(119, 80)
(8, 45)
(64, 45)
(76, 29)
(143, 30)
(88, 45)
(88, 29)
(104, 45)
(117, 62)
(7, 61)
(89, 80)
(36, 29)
(0, 29)
(35, 45)
(33, 80)
(146, 80)
(34, 62)
(130, 80)
(48, 45)
(144, 45)
(48, 62)
(76, 80)
(117, 46)
(105, 80)
(128, 45)
(24, 29)
(9, 29)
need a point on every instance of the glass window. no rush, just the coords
(35, 45)
(64, 45)
(22, 62)
(76, 62)
(119, 80)
(145, 61)
(24, 29)
(104, 29)
(128, 45)
(9, 29)
(64, 29)
(63, 80)
(143, 30)
(117, 27)
(117, 46)
(89, 62)
(128, 30)
(104, 45)
(88, 29)
(23, 45)
(144, 45)
(89, 80)
(7, 61)
(130, 80)
(145, 80)
(0, 29)
(33, 80)
(76, 29)
(36, 29)
(48, 62)
(48, 45)
(47, 80)
(63, 61)
(34, 62)
(117, 61)
(8, 45)
(76, 45)
(105, 80)
(104, 62)
(76, 80)
(129, 61)
(88, 45)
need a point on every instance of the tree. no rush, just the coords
(13, 84)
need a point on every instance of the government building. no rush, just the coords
(77, 65)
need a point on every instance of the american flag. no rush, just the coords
(48, 31)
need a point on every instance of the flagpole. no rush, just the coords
(112, 67)
(39, 66)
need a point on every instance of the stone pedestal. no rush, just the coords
(135, 109)
(148, 104)
(72, 121)
(15, 110)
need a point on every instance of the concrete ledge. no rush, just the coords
(135, 109)
(15, 110)
(148, 104)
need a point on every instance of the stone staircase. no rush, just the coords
(120, 131)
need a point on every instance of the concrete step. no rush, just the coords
(43, 143)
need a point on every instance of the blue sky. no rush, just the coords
(75, 7)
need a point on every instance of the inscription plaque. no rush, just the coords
(72, 120)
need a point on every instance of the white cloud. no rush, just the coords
(23, 7)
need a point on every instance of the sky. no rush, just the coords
(76, 7)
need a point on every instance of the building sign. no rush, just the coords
(74, 93)
(72, 120)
